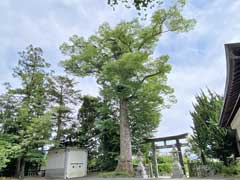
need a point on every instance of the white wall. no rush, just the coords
(76, 163)
(236, 122)
(236, 125)
(56, 159)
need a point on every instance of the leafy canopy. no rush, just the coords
(121, 57)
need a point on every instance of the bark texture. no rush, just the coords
(203, 158)
(125, 160)
(59, 126)
(21, 169)
(18, 166)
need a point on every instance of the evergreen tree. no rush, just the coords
(28, 120)
(99, 132)
(63, 97)
(211, 140)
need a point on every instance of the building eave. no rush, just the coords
(232, 86)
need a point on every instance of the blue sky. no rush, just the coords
(197, 57)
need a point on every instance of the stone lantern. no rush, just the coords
(177, 169)
(141, 169)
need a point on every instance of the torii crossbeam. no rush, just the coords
(164, 140)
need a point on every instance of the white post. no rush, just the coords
(65, 163)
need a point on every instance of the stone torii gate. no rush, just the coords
(178, 145)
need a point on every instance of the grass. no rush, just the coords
(114, 174)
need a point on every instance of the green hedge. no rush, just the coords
(165, 168)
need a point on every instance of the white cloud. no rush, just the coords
(48, 25)
(200, 57)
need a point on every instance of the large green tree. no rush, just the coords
(121, 60)
(208, 139)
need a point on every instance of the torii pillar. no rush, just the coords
(178, 145)
(155, 163)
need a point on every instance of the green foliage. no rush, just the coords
(88, 115)
(138, 4)
(165, 163)
(233, 169)
(63, 95)
(97, 130)
(109, 144)
(208, 139)
(165, 168)
(120, 58)
(8, 150)
(226, 170)
(216, 166)
(143, 4)
(164, 159)
(23, 114)
(115, 174)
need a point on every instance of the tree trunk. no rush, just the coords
(125, 160)
(203, 158)
(18, 166)
(59, 126)
(22, 168)
(22, 172)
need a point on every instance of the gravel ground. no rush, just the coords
(160, 178)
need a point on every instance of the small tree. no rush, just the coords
(63, 95)
(88, 114)
(121, 60)
(208, 139)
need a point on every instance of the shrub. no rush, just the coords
(233, 169)
(217, 167)
(165, 168)
(164, 159)
(220, 168)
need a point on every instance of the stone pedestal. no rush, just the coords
(177, 168)
(141, 169)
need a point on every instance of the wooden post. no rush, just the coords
(178, 145)
(155, 164)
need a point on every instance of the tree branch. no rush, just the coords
(153, 34)
(141, 81)
(149, 76)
